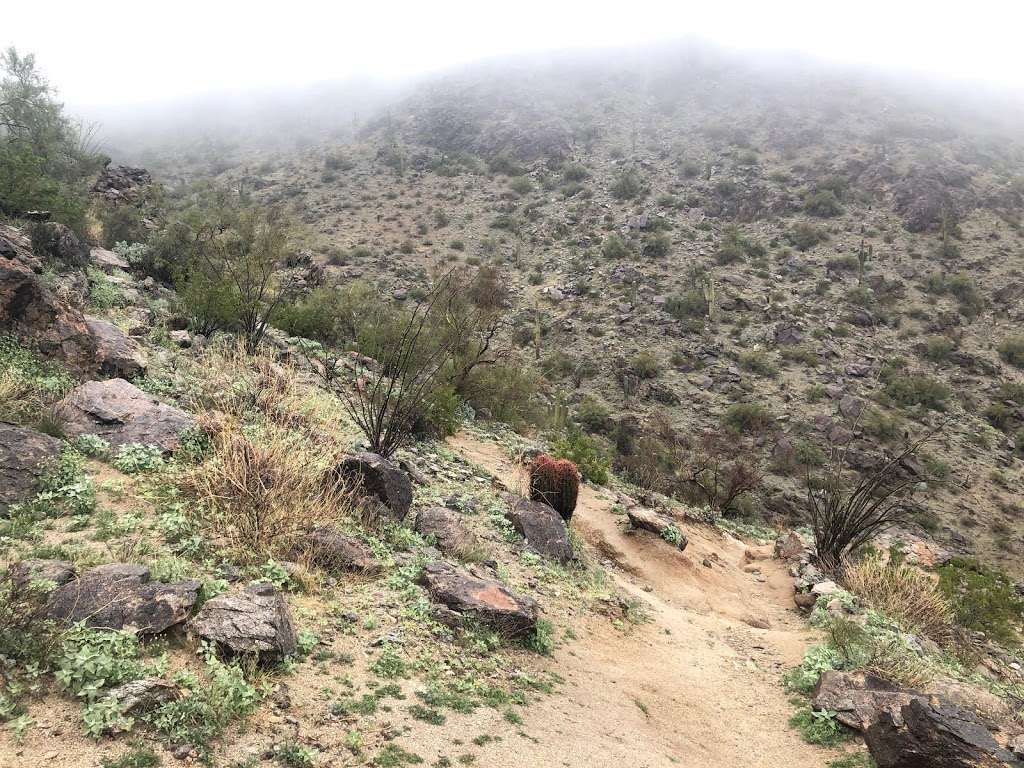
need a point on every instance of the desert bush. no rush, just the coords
(1011, 349)
(586, 452)
(804, 236)
(823, 203)
(261, 490)
(645, 365)
(614, 247)
(916, 389)
(504, 391)
(748, 418)
(983, 598)
(628, 185)
(718, 474)
(555, 482)
(904, 593)
(29, 385)
(521, 185)
(657, 245)
(691, 304)
(757, 361)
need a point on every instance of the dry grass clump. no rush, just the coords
(906, 594)
(262, 489)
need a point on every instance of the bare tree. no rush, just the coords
(845, 518)
(718, 473)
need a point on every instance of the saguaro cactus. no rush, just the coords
(556, 482)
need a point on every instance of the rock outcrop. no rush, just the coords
(333, 550)
(117, 354)
(445, 526)
(121, 413)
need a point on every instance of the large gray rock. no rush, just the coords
(121, 596)
(858, 700)
(117, 354)
(542, 528)
(137, 697)
(447, 529)
(121, 413)
(934, 734)
(485, 600)
(377, 478)
(24, 454)
(108, 261)
(333, 550)
(255, 620)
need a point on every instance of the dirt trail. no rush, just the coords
(699, 685)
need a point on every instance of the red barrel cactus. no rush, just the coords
(556, 482)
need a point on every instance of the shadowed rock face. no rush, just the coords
(447, 529)
(378, 478)
(121, 413)
(543, 529)
(857, 700)
(121, 596)
(24, 454)
(487, 600)
(255, 621)
(934, 734)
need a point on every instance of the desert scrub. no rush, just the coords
(1011, 349)
(28, 384)
(587, 452)
(916, 389)
(748, 418)
(983, 599)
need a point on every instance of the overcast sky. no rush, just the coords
(119, 52)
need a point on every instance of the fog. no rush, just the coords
(159, 72)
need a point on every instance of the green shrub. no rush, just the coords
(1011, 349)
(688, 305)
(748, 417)
(135, 459)
(909, 390)
(586, 452)
(757, 361)
(645, 365)
(823, 203)
(613, 247)
(938, 348)
(983, 598)
(627, 186)
(819, 727)
(521, 185)
(657, 245)
(804, 236)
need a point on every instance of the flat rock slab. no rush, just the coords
(934, 734)
(255, 620)
(117, 354)
(380, 479)
(333, 550)
(645, 519)
(138, 697)
(24, 454)
(108, 261)
(857, 700)
(121, 596)
(121, 413)
(542, 528)
(486, 600)
(447, 529)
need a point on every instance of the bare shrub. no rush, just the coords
(904, 593)
(844, 518)
(263, 489)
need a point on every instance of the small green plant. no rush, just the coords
(542, 640)
(135, 459)
(748, 418)
(393, 756)
(139, 757)
(90, 445)
(818, 726)
(292, 754)
(389, 665)
(857, 760)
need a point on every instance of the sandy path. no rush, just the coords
(698, 686)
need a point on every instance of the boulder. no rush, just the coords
(121, 413)
(857, 699)
(790, 546)
(30, 310)
(333, 550)
(377, 478)
(447, 529)
(122, 183)
(138, 697)
(646, 519)
(542, 528)
(24, 454)
(121, 596)
(117, 354)
(929, 733)
(56, 572)
(486, 600)
(108, 261)
(255, 620)
(59, 242)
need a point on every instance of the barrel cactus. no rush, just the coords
(556, 482)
